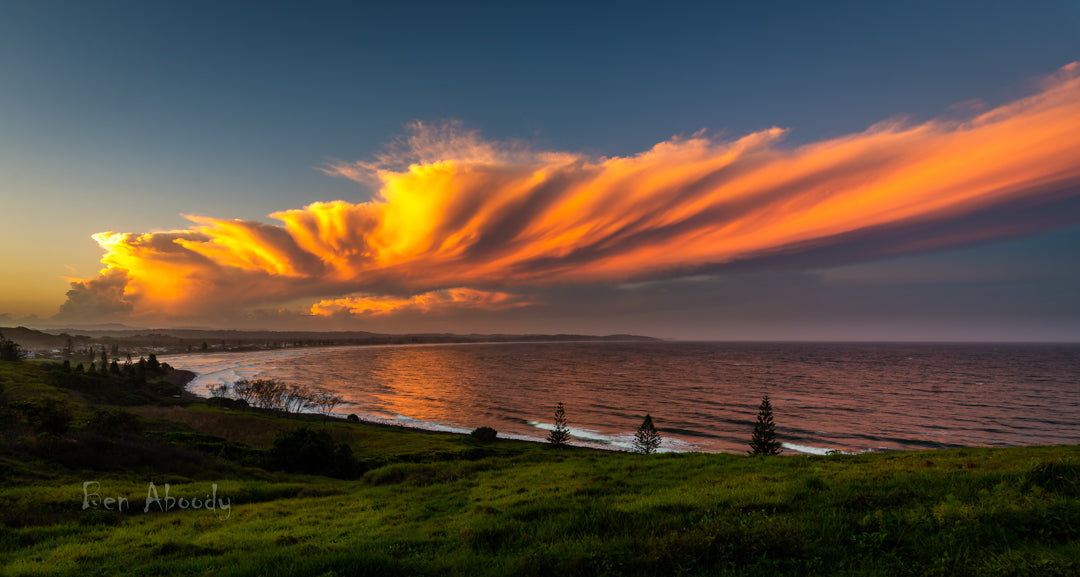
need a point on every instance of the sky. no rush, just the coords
(705, 171)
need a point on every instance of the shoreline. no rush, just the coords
(186, 377)
(182, 378)
(802, 430)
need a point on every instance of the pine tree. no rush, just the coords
(647, 438)
(560, 435)
(764, 440)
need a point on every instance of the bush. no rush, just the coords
(45, 416)
(114, 422)
(305, 450)
(1058, 477)
(353, 419)
(227, 403)
(484, 434)
(9, 350)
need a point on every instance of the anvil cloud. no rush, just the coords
(459, 221)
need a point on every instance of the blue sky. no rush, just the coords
(124, 116)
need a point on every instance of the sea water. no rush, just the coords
(702, 396)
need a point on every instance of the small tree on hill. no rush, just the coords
(764, 440)
(647, 438)
(560, 435)
(9, 350)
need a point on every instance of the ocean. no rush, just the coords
(702, 396)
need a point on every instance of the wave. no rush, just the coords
(623, 442)
(807, 450)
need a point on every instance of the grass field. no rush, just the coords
(439, 504)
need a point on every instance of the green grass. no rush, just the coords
(434, 504)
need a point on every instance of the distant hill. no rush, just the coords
(247, 335)
(140, 340)
(32, 339)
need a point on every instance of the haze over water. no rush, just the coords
(702, 396)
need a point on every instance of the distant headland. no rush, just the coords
(76, 341)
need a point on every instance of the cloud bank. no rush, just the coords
(462, 222)
(429, 302)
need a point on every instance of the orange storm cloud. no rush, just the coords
(454, 212)
(429, 302)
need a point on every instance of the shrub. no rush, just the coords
(305, 450)
(114, 422)
(45, 416)
(484, 434)
(1059, 477)
(9, 350)
(227, 403)
(647, 438)
(353, 419)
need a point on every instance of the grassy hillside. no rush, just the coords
(438, 504)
